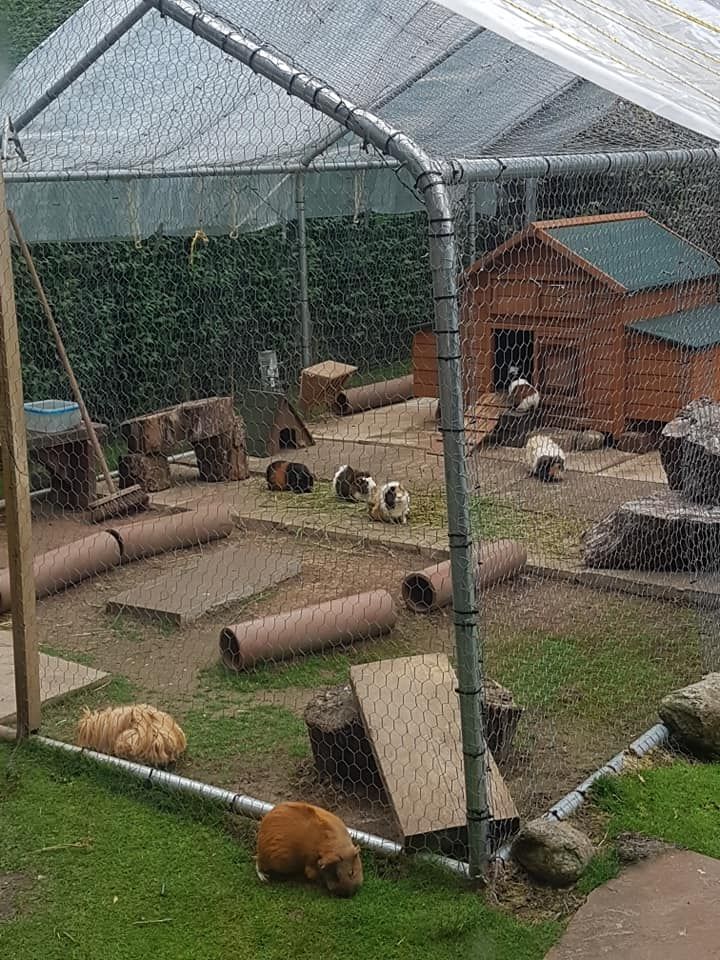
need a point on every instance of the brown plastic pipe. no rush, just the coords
(373, 395)
(67, 565)
(335, 622)
(431, 588)
(159, 534)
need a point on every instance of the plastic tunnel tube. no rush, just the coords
(238, 803)
(335, 622)
(373, 395)
(653, 738)
(431, 588)
(67, 565)
(153, 535)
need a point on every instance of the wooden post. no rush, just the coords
(16, 481)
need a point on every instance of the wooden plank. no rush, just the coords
(58, 678)
(482, 417)
(16, 481)
(411, 713)
(205, 583)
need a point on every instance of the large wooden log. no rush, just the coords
(340, 746)
(224, 457)
(501, 716)
(690, 452)
(151, 471)
(153, 433)
(202, 419)
(658, 533)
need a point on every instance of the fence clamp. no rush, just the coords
(10, 137)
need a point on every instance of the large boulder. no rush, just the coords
(693, 714)
(553, 851)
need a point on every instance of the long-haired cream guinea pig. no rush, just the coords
(133, 732)
(300, 840)
(389, 503)
(352, 485)
(545, 459)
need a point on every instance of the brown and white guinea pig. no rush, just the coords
(300, 840)
(524, 397)
(545, 459)
(389, 503)
(352, 485)
(285, 475)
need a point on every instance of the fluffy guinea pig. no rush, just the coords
(524, 397)
(300, 840)
(389, 503)
(285, 475)
(352, 485)
(544, 458)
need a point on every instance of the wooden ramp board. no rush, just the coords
(482, 417)
(411, 713)
(202, 583)
(58, 678)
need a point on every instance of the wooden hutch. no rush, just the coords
(614, 318)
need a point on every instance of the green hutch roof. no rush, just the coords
(695, 329)
(637, 252)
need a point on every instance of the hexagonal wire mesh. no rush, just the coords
(250, 303)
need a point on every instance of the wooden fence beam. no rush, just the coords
(16, 483)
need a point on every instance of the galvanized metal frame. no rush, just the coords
(432, 178)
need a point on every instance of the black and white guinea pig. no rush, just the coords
(524, 397)
(389, 503)
(352, 485)
(284, 475)
(545, 459)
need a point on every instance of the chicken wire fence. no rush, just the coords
(308, 647)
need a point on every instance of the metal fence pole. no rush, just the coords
(303, 295)
(472, 222)
(444, 265)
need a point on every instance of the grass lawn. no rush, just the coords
(109, 869)
(678, 804)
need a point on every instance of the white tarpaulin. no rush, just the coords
(663, 55)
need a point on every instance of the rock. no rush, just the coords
(552, 851)
(586, 440)
(690, 452)
(660, 532)
(693, 714)
(632, 847)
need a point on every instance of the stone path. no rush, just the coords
(667, 908)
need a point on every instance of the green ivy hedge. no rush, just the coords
(153, 325)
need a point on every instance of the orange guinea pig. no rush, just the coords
(298, 839)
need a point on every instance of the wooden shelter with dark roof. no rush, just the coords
(614, 318)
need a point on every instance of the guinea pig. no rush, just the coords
(352, 485)
(300, 840)
(545, 459)
(524, 397)
(389, 503)
(284, 475)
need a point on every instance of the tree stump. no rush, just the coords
(153, 433)
(150, 470)
(501, 716)
(206, 419)
(659, 533)
(223, 457)
(690, 452)
(340, 746)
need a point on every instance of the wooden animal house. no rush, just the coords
(272, 424)
(614, 318)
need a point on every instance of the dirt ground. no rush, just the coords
(587, 666)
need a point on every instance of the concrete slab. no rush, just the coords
(646, 466)
(206, 582)
(58, 678)
(661, 909)
(392, 423)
